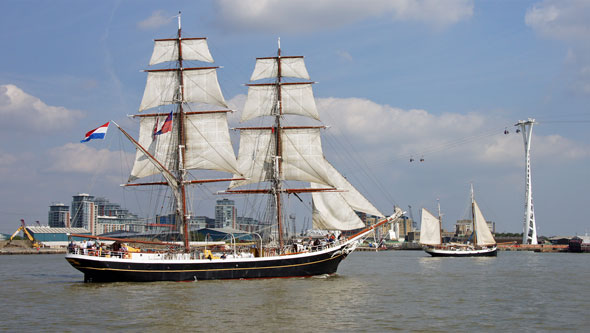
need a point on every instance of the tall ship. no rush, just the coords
(271, 157)
(482, 241)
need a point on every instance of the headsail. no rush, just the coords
(335, 210)
(429, 229)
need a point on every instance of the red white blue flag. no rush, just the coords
(167, 126)
(97, 133)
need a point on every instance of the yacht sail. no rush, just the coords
(429, 229)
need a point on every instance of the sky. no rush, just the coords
(395, 80)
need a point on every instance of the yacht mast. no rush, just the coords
(440, 222)
(474, 233)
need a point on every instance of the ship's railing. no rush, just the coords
(99, 252)
(304, 246)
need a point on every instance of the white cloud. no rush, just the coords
(475, 137)
(311, 15)
(83, 158)
(561, 20)
(158, 19)
(22, 111)
(385, 133)
(344, 55)
(569, 22)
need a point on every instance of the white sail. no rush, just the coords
(297, 99)
(429, 229)
(254, 157)
(349, 193)
(200, 86)
(331, 212)
(192, 49)
(482, 231)
(302, 157)
(290, 67)
(161, 147)
(208, 145)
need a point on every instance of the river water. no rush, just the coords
(372, 292)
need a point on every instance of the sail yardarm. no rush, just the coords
(186, 113)
(208, 144)
(290, 67)
(200, 86)
(429, 229)
(297, 99)
(192, 49)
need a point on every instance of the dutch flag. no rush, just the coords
(166, 127)
(97, 133)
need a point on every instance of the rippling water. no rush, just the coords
(372, 292)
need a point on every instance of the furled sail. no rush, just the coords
(200, 86)
(429, 229)
(332, 212)
(484, 235)
(207, 147)
(297, 99)
(302, 156)
(192, 49)
(290, 67)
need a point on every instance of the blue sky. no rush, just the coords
(396, 79)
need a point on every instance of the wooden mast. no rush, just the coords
(278, 152)
(181, 141)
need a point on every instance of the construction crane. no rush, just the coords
(414, 224)
(23, 228)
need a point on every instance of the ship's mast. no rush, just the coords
(181, 143)
(276, 182)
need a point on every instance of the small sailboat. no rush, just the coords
(483, 243)
(268, 155)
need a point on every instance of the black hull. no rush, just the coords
(97, 269)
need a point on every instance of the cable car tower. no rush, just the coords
(529, 234)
